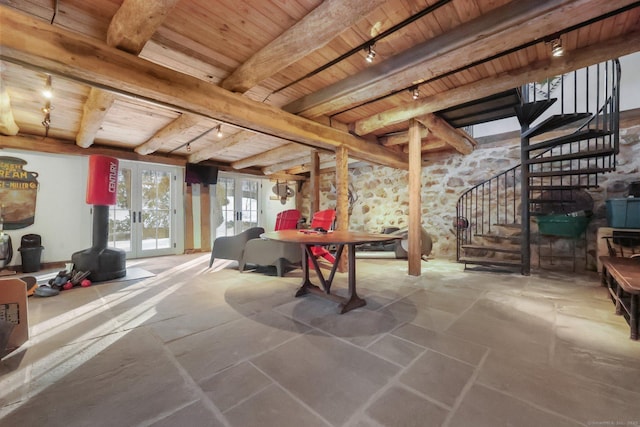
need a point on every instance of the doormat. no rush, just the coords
(133, 273)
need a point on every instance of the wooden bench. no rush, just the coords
(622, 278)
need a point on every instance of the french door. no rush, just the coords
(237, 204)
(144, 220)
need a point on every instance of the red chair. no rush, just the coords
(287, 220)
(325, 220)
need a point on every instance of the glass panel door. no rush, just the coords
(120, 213)
(237, 204)
(225, 196)
(143, 221)
(248, 208)
(155, 223)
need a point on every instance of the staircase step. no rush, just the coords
(509, 225)
(554, 122)
(488, 261)
(566, 139)
(557, 201)
(560, 187)
(587, 154)
(529, 112)
(591, 171)
(496, 236)
(492, 249)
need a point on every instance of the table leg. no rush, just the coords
(354, 300)
(306, 283)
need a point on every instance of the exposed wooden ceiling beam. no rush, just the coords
(401, 138)
(506, 27)
(445, 132)
(131, 27)
(94, 111)
(277, 167)
(431, 144)
(8, 124)
(135, 22)
(33, 43)
(270, 156)
(309, 34)
(580, 58)
(58, 146)
(212, 149)
(167, 134)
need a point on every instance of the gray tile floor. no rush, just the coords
(199, 347)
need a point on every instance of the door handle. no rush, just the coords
(134, 217)
(140, 216)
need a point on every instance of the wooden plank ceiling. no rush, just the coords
(283, 77)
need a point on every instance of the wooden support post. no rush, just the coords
(342, 198)
(415, 205)
(205, 218)
(314, 181)
(188, 215)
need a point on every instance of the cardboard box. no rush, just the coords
(13, 309)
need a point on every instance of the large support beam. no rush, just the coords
(573, 60)
(8, 124)
(415, 203)
(33, 43)
(168, 133)
(135, 22)
(508, 26)
(309, 34)
(443, 130)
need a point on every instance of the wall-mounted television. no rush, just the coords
(200, 174)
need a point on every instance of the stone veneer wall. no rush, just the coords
(382, 199)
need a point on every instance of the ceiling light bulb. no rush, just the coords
(47, 92)
(371, 54)
(219, 133)
(416, 93)
(556, 48)
(189, 147)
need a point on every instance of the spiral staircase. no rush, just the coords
(569, 138)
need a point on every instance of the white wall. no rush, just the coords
(62, 218)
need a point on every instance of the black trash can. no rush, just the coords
(31, 252)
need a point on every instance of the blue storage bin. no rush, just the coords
(623, 213)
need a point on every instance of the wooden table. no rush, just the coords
(307, 239)
(622, 277)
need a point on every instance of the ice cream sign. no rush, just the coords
(18, 191)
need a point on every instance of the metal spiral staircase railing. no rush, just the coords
(580, 123)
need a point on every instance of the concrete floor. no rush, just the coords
(199, 347)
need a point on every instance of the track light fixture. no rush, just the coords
(415, 93)
(556, 47)
(371, 53)
(188, 147)
(219, 131)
